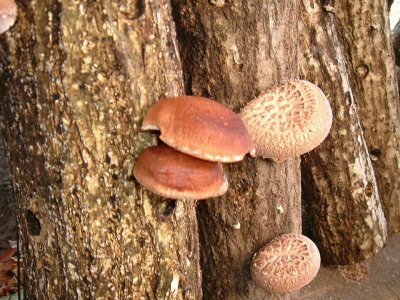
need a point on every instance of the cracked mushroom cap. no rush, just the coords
(8, 14)
(173, 174)
(288, 120)
(200, 127)
(286, 264)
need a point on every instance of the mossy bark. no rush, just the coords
(342, 206)
(231, 51)
(76, 79)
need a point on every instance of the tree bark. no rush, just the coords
(76, 78)
(8, 225)
(390, 2)
(231, 51)
(342, 205)
(365, 34)
(395, 36)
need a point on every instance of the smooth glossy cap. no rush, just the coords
(200, 127)
(288, 120)
(172, 174)
(286, 264)
(8, 14)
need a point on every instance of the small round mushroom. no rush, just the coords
(200, 127)
(288, 120)
(8, 14)
(286, 264)
(172, 174)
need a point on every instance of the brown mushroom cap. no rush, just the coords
(288, 120)
(200, 127)
(8, 14)
(286, 264)
(172, 174)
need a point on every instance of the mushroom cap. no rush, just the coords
(286, 264)
(288, 120)
(200, 127)
(172, 174)
(8, 14)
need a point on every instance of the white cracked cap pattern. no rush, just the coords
(288, 120)
(8, 14)
(286, 264)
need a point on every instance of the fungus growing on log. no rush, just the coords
(200, 127)
(172, 174)
(288, 120)
(8, 14)
(286, 264)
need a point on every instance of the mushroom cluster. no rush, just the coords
(8, 14)
(288, 120)
(286, 264)
(200, 134)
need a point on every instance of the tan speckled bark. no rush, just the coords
(232, 50)
(340, 191)
(76, 78)
(364, 29)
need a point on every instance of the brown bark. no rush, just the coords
(76, 77)
(390, 2)
(8, 224)
(342, 204)
(231, 51)
(339, 185)
(395, 36)
(365, 34)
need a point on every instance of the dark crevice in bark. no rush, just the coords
(396, 42)
(390, 2)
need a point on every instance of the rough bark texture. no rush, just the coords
(8, 223)
(365, 33)
(342, 205)
(231, 51)
(76, 78)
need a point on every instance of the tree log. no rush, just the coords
(241, 49)
(341, 200)
(390, 2)
(395, 36)
(365, 33)
(8, 225)
(76, 78)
